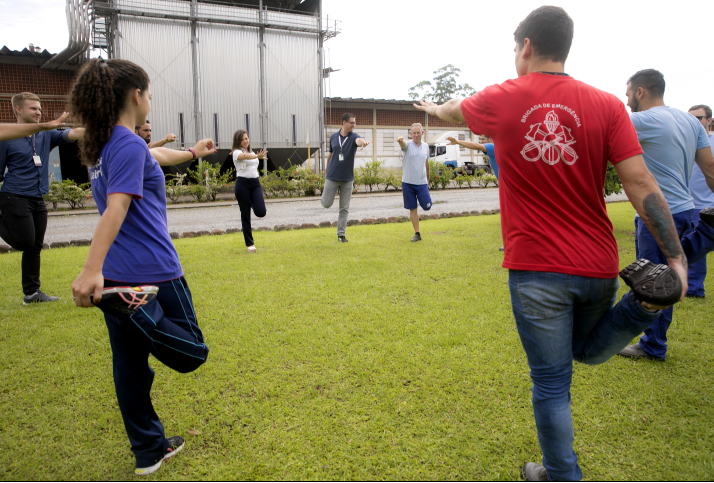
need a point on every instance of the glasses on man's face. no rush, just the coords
(354, 123)
(700, 117)
(415, 133)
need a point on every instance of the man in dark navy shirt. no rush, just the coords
(340, 170)
(24, 164)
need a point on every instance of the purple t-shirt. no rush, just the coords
(142, 251)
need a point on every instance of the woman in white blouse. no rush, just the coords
(248, 191)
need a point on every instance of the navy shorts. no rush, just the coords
(414, 192)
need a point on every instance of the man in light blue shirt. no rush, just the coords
(703, 198)
(415, 176)
(672, 141)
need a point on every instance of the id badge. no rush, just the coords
(37, 160)
(342, 158)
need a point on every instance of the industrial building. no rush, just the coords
(217, 66)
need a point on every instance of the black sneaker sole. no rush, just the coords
(707, 216)
(122, 302)
(654, 284)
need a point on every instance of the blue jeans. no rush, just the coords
(654, 340)
(697, 270)
(561, 318)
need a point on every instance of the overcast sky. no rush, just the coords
(386, 46)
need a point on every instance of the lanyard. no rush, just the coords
(34, 153)
(342, 142)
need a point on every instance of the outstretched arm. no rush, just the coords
(704, 158)
(362, 143)
(468, 144)
(14, 131)
(171, 137)
(401, 142)
(449, 111)
(169, 157)
(251, 155)
(644, 194)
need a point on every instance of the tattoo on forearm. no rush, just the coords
(659, 221)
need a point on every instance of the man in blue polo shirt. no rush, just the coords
(415, 175)
(703, 198)
(672, 141)
(23, 214)
(341, 170)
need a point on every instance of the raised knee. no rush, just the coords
(261, 214)
(326, 204)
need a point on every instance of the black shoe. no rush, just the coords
(342, 239)
(416, 238)
(500, 249)
(122, 302)
(654, 284)
(694, 296)
(175, 445)
(38, 296)
(533, 472)
(707, 216)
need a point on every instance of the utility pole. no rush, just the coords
(263, 87)
(197, 117)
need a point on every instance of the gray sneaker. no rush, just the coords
(416, 238)
(634, 351)
(38, 296)
(533, 472)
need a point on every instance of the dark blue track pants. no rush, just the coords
(166, 328)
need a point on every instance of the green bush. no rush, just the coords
(175, 187)
(75, 195)
(461, 179)
(208, 177)
(370, 174)
(613, 186)
(489, 178)
(55, 195)
(392, 178)
(434, 172)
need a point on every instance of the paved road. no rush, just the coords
(298, 211)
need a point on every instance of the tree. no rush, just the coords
(443, 88)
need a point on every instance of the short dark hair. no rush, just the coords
(707, 109)
(650, 80)
(550, 30)
(347, 116)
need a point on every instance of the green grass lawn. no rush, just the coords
(376, 359)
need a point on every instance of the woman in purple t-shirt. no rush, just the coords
(132, 272)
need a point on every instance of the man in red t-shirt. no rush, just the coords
(555, 136)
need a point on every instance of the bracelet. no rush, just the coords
(192, 152)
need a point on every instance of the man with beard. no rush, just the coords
(144, 132)
(672, 141)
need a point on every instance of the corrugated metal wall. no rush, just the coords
(230, 81)
(291, 67)
(229, 63)
(163, 49)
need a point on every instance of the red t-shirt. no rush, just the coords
(553, 137)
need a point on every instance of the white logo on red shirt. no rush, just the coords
(552, 145)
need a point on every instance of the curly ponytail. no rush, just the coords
(98, 97)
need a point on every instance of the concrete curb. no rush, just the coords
(215, 204)
(304, 226)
